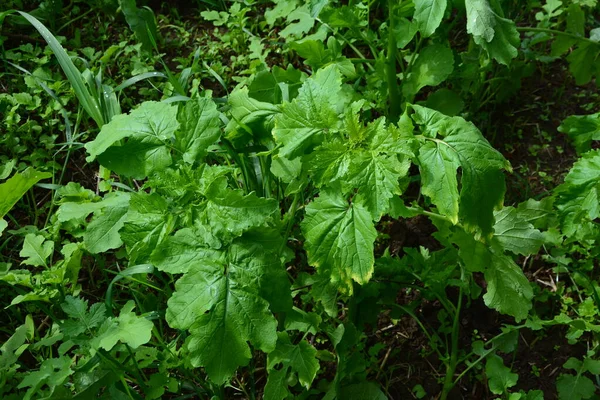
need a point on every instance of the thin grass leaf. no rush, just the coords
(88, 102)
(137, 269)
(138, 78)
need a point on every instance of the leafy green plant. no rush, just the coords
(248, 232)
(318, 145)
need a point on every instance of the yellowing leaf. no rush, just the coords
(219, 301)
(339, 239)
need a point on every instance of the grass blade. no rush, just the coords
(88, 102)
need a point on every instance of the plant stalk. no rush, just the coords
(453, 362)
(555, 32)
(392, 80)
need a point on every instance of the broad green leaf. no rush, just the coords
(137, 158)
(282, 9)
(530, 395)
(429, 14)
(14, 188)
(75, 210)
(304, 121)
(343, 16)
(229, 212)
(301, 358)
(218, 339)
(508, 290)
(500, 377)
(376, 178)
(434, 64)
(36, 250)
(482, 182)
(127, 328)
(277, 386)
(217, 18)
(445, 101)
(147, 223)
(330, 163)
(372, 171)
(313, 52)
(291, 78)
(53, 372)
(497, 35)
(438, 164)
(195, 293)
(200, 127)
(536, 212)
(6, 168)
(11, 349)
(246, 110)
(322, 290)
(299, 320)
(584, 62)
(250, 119)
(180, 252)
(590, 365)
(142, 23)
(285, 169)
(81, 320)
(515, 234)
(305, 22)
(151, 124)
(339, 239)
(3, 225)
(575, 20)
(582, 129)
(405, 31)
(219, 303)
(102, 233)
(264, 88)
(578, 198)
(574, 387)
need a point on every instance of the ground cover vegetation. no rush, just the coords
(314, 200)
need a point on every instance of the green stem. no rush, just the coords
(392, 50)
(484, 354)
(451, 366)
(290, 221)
(265, 168)
(240, 163)
(362, 60)
(555, 32)
(431, 214)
